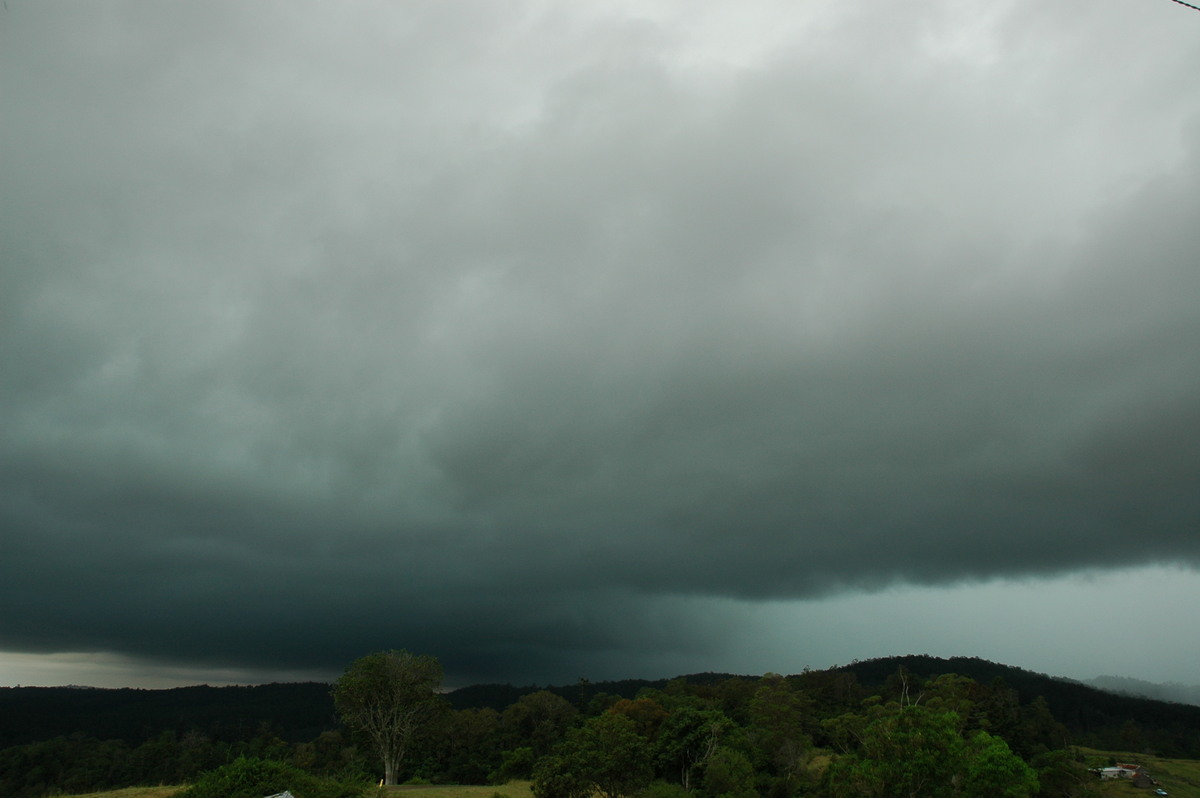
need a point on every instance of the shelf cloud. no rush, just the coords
(526, 335)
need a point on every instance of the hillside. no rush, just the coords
(1094, 717)
(294, 712)
(80, 738)
(499, 696)
(300, 711)
(1171, 691)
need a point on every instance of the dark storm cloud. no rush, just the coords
(503, 335)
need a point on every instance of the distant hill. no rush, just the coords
(1093, 716)
(299, 712)
(499, 696)
(294, 712)
(1171, 691)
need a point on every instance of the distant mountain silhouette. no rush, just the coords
(1169, 691)
(499, 696)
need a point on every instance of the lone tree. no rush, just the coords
(389, 697)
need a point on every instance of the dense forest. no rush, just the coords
(991, 729)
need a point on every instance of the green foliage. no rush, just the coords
(1038, 729)
(605, 755)
(555, 777)
(993, 771)
(646, 713)
(781, 720)
(687, 739)
(912, 751)
(80, 763)
(330, 755)
(729, 774)
(538, 720)
(230, 714)
(612, 755)
(465, 749)
(779, 709)
(516, 764)
(390, 697)
(664, 789)
(915, 750)
(1065, 773)
(709, 736)
(1074, 713)
(253, 778)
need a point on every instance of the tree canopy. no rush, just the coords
(389, 696)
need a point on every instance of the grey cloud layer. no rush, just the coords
(490, 333)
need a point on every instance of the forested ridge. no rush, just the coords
(718, 735)
(296, 712)
(1094, 717)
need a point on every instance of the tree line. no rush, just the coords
(899, 729)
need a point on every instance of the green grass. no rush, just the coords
(514, 789)
(1179, 777)
(133, 792)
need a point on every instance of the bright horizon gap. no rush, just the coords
(1092, 602)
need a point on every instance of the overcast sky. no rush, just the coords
(597, 339)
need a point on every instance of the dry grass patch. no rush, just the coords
(134, 792)
(514, 789)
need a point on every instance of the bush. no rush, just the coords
(554, 778)
(729, 774)
(517, 764)
(254, 778)
(663, 789)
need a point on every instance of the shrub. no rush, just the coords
(664, 789)
(517, 764)
(253, 778)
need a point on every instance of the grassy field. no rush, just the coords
(514, 789)
(132, 792)
(1179, 777)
